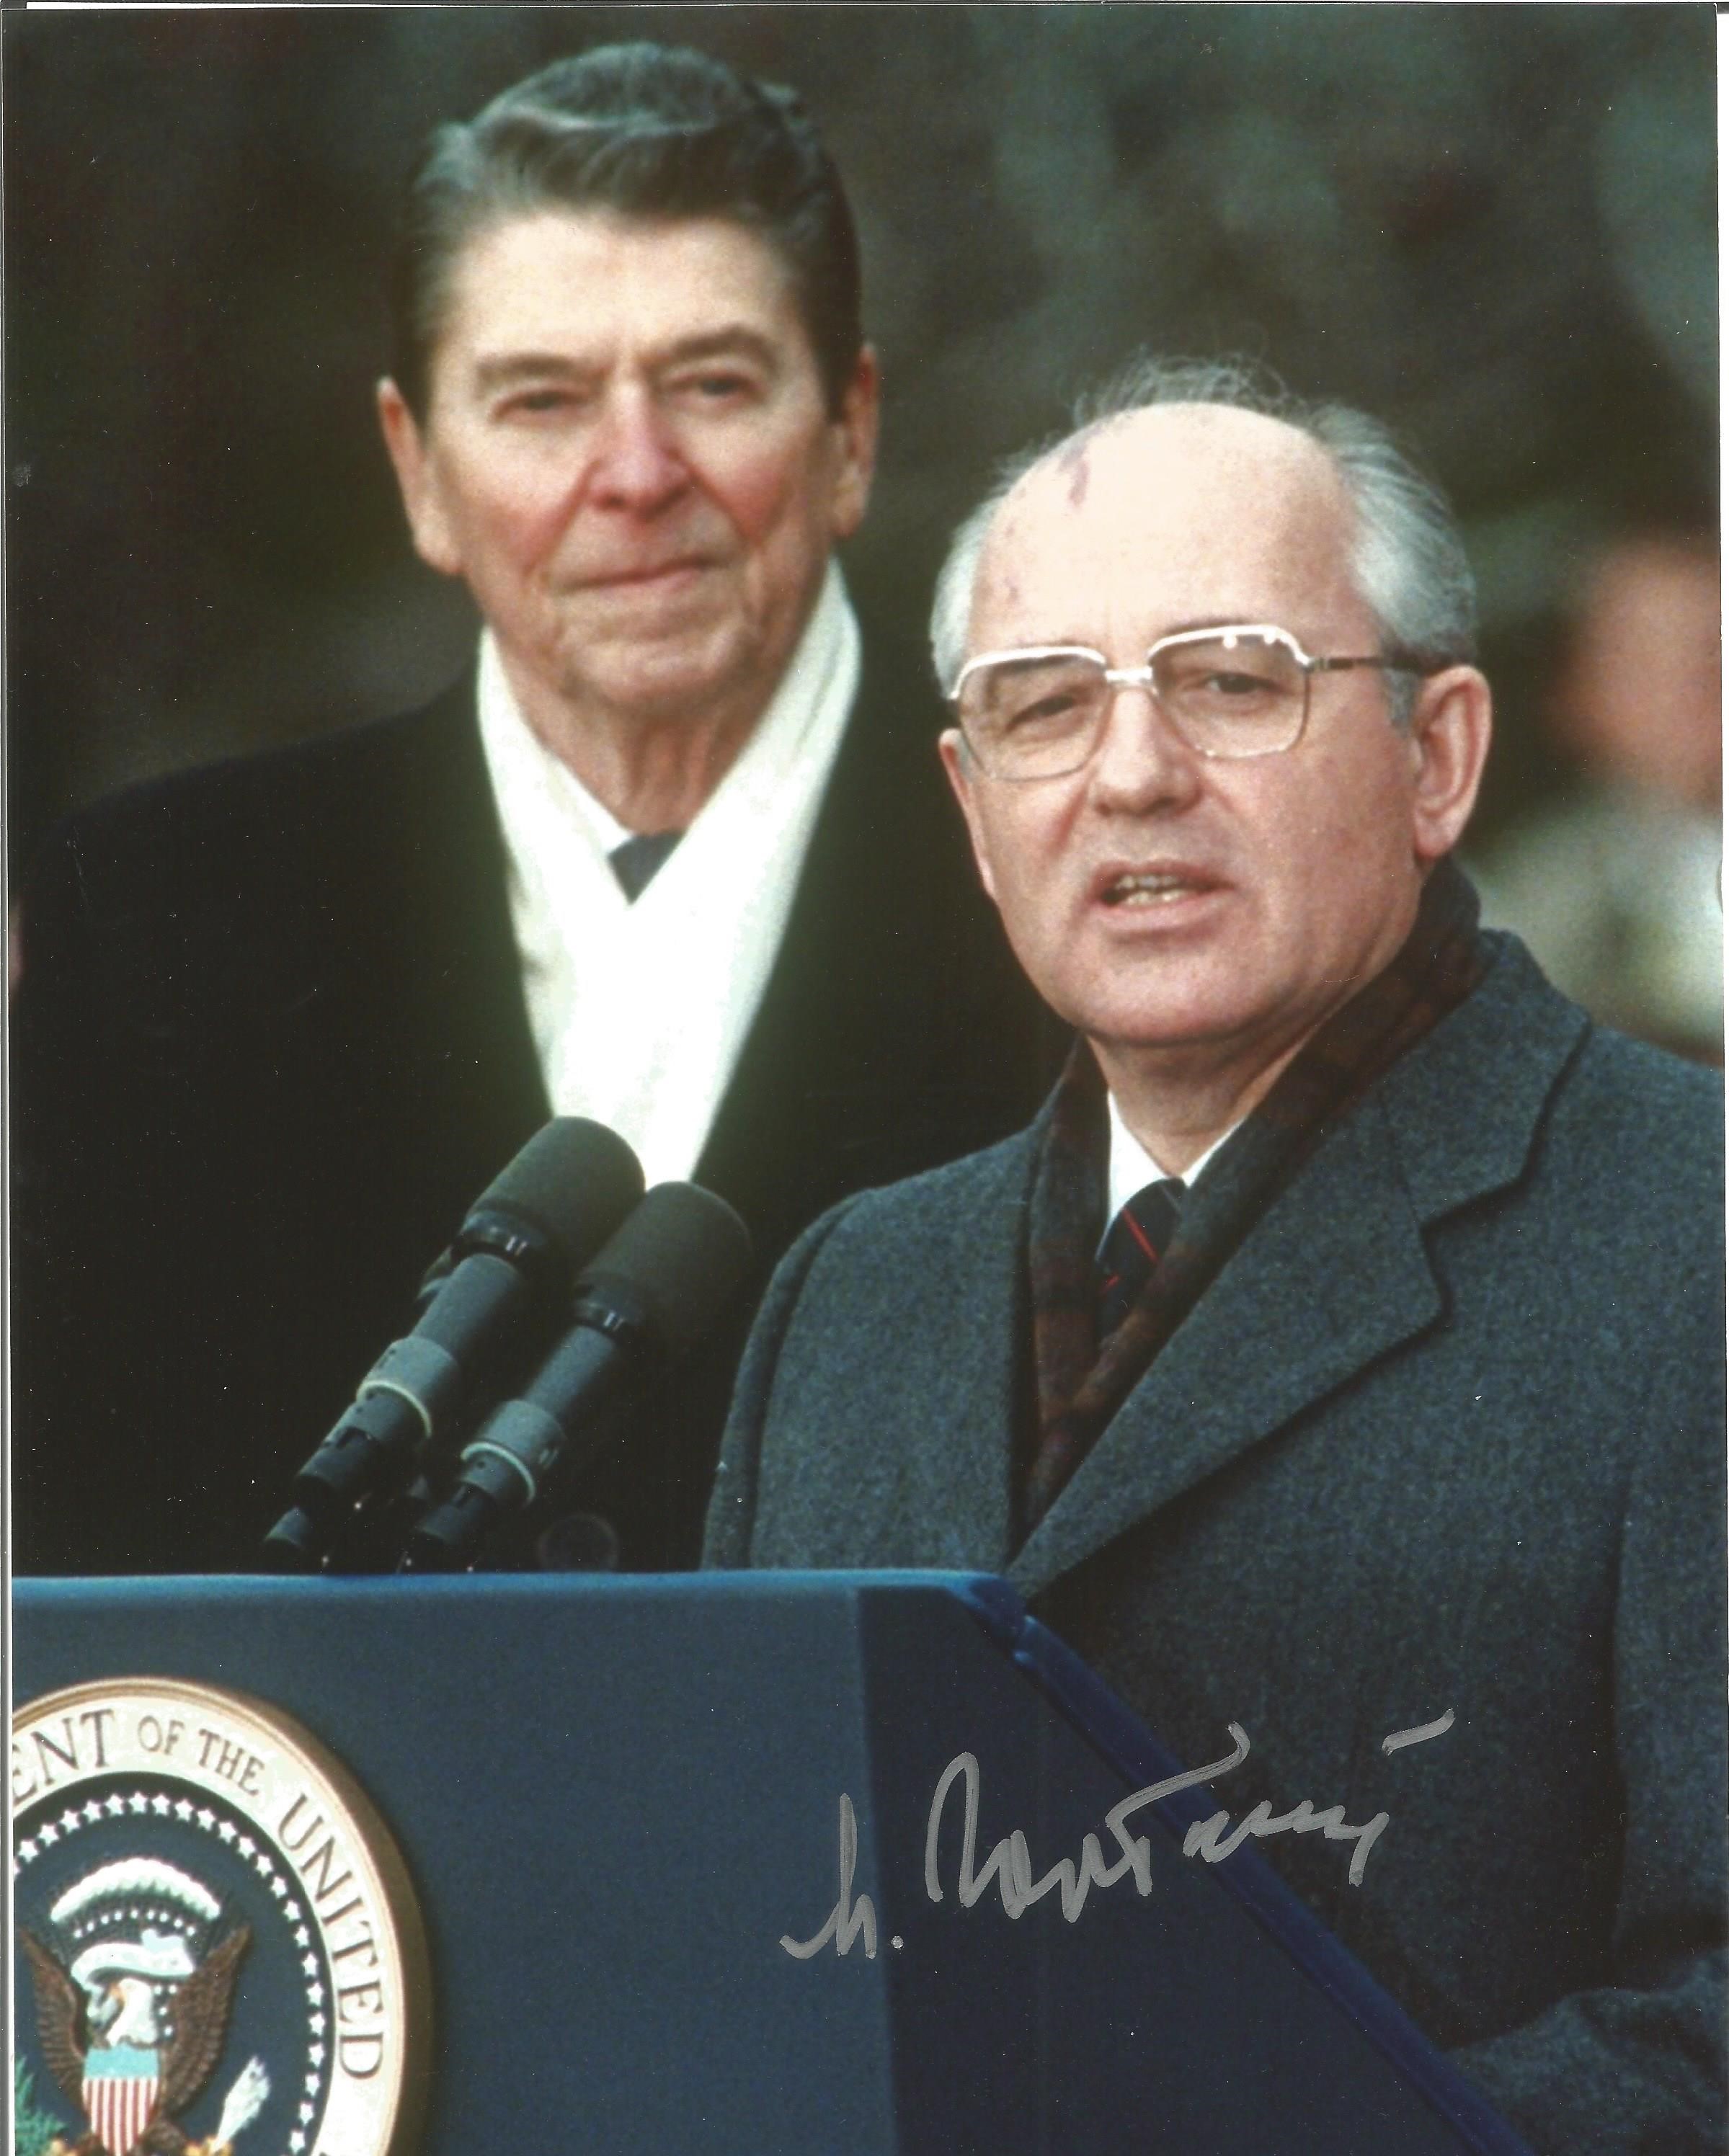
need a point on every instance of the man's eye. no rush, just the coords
(538, 403)
(1222, 684)
(1051, 709)
(718, 386)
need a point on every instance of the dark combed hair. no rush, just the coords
(645, 130)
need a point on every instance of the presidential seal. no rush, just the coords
(216, 1931)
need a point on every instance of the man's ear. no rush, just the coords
(957, 761)
(1450, 727)
(428, 525)
(856, 432)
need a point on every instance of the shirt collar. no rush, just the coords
(1132, 1166)
(517, 757)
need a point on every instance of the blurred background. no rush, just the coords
(1492, 225)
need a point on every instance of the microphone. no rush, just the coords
(496, 1293)
(650, 1295)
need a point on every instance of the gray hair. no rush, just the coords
(1407, 560)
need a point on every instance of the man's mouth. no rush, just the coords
(1142, 887)
(646, 573)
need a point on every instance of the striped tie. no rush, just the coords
(1138, 1238)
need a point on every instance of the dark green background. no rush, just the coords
(1492, 225)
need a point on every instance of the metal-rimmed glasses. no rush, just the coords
(1243, 690)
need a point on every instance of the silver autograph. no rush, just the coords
(1010, 1862)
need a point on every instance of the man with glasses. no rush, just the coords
(1339, 1354)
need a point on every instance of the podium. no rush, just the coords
(627, 1808)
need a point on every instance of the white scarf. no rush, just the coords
(639, 1012)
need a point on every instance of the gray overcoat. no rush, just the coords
(1445, 1434)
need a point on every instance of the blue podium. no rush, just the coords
(691, 1856)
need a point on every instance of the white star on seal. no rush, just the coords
(115, 1805)
(137, 1802)
(93, 1812)
(27, 1850)
(207, 1820)
(49, 1833)
(183, 1810)
(69, 1820)
(161, 1807)
(226, 1830)
(309, 1963)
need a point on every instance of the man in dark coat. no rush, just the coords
(1390, 1401)
(674, 856)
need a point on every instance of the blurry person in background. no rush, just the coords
(673, 852)
(1617, 890)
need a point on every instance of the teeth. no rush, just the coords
(1146, 890)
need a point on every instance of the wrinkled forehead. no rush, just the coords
(553, 263)
(1165, 519)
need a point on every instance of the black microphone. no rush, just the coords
(657, 1288)
(495, 1296)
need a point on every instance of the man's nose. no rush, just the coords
(637, 463)
(1142, 761)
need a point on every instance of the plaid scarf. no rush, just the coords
(1080, 1384)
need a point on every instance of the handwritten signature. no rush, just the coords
(1010, 1862)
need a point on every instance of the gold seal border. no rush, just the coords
(403, 1949)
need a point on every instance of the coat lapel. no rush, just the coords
(408, 1068)
(1335, 1275)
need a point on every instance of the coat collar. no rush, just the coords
(1335, 1273)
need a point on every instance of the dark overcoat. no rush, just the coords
(1445, 1434)
(271, 1042)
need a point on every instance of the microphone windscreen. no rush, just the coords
(682, 1254)
(574, 1181)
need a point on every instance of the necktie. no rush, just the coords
(635, 862)
(1139, 1237)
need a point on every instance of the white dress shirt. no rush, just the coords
(1132, 1166)
(639, 1012)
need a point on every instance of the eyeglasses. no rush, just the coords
(1039, 712)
